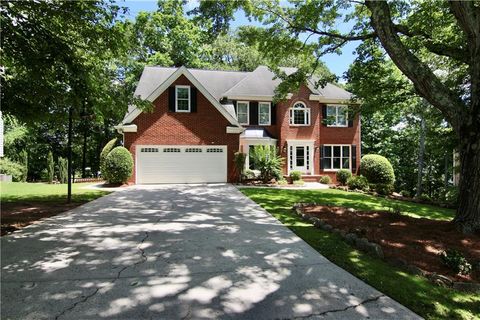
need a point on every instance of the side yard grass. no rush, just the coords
(415, 292)
(24, 203)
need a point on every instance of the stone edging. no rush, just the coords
(376, 250)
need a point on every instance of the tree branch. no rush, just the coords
(424, 80)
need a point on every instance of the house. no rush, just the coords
(202, 117)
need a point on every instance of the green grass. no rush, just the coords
(24, 191)
(415, 292)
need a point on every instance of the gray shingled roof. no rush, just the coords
(259, 82)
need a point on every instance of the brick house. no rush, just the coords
(202, 117)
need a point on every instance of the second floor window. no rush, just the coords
(242, 112)
(300, 114)
(182, 101)
(337, 116)
(264, 117)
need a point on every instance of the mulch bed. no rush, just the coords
(17, 215)
(413, 241)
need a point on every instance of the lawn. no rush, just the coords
(24, 191)
(415, 292)
(25, 203)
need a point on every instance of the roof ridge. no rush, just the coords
(213, 70)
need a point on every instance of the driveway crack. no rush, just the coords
(366, 301)
(87, 297)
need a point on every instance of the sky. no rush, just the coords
(338, 64)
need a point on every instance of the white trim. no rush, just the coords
(248, 112)
(269, 104)
(337, 106)
(291, 114)
(235, 129)
(126, 128)
(164, 86)
(322, 99)
(302, 143)
(341, 156)
(189, 98)
(256, 98)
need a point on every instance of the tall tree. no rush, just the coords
(406, 30)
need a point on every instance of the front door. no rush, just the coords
(300, 158)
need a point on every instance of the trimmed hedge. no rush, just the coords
(343, 175)
(325, 180)
(105, 151)
(14, 169)
(377, 169)
(118, 165)
(358, 183)
(295, 175)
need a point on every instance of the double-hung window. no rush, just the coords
(182, 98)
(336, 157)
(264, 113)
(300, 114)
(337, 116)
(243, 112)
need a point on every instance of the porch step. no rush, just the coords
(307, 178)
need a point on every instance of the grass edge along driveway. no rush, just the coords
(415, 292)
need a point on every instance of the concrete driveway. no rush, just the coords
(176, 252)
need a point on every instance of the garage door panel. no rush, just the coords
(197, 165)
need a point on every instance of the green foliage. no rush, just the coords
(377, 169)
(343, 175)
(325, 180)
(248, 174)
(298, 182)
(62, 170)
(456, 261)
(405, 193)
(105, 151)
(239, 161)
(383, 189)
(118, 165)
(282, 182)
(450, 195)
(50, 167)
(268, 162)
(16, 170)
(295, 175)
(357, 183)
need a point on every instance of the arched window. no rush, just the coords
(299, 114)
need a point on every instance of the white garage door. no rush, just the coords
(181, 164)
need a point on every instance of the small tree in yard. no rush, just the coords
(268, 162)
(239, 160)
(118, 165)
(62, 170)
(50, 167)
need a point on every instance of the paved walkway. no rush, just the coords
(176, 252)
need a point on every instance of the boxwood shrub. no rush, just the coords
(295, 175)
(358, 183)
(105, 151)
(118, 165)
(377, 169)
(343, 175)
(325, 180)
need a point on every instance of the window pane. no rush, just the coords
(300, 161)
(330, 111)
(336, 151)
(242, 118)
(346, 163)
(341, 120)
(336, 163)
(299, 117)
(328, 152)
(346, 151)
(299, 105)
(327, 163)
(182, 104)
(264, 113)
(182, 93)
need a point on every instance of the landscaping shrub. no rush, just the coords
(295, 176)
(343, 175)
(377, 169)
(248, 174)
(118, 165)
(62, 170)
(383, 189)
(456, 261)
(405, 193)
(239, 160)
(14, 169)
(325, 180)
(105, 151)
(50, 167)
(282, 182)
(358, 183)
(268, 162)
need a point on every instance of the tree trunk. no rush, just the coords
(69, 165)
(84, 151)
(467, 218)
(421, 153)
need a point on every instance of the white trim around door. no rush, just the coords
(300, 156)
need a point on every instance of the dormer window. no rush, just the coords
(299, 114)
(182, 98)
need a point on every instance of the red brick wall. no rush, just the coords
(207, 126)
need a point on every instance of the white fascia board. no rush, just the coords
(126, 128)
(316, 97)
(167, 83)
(235, 129)
(301, 142)
(255, 98)
(257, 140)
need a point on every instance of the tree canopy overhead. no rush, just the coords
(436, 45)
